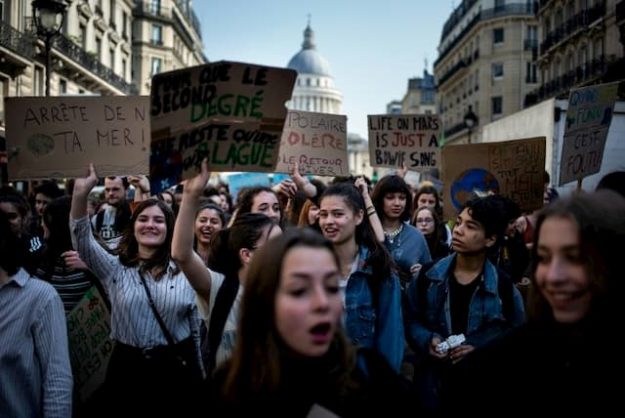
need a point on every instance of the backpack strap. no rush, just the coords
(223, 303)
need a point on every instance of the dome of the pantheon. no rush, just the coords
(308, 60)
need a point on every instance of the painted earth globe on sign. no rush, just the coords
(471, 182)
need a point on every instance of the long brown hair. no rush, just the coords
(256, 363)
(600, 219)
(128, 249)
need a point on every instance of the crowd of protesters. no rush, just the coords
(310, 297)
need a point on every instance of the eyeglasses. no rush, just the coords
(425, 220)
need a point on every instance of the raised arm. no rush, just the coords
(82, 187)
(182, 244)
(302, 182)
(142, 187)
(374, 219)
(97, 259)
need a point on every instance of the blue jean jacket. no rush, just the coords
(486, 320)
(366, 326)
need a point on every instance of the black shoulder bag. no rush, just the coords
(180, 360)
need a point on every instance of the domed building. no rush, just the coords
(314, 89)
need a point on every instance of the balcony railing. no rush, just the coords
(492, 13)
(581, 75)
(463, 63)
(569, 28)
(459, 127)
(152, 9)
(190, 16)
(156, 10)
(82, 58)
(19, 42)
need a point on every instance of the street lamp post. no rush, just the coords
(48, 16)
(470, 120)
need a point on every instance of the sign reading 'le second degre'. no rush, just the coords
(317, 142)
(57, 137)
(230, 113)
(410, 140)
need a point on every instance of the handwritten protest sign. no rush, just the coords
(316, 141)
(57, 137)
(514, 169)
(413, 140)
(88, 328)
(587, 123)
(231, 113)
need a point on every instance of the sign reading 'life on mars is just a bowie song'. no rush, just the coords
(57, 137)
(317, 142)
(404, 140)
(230, 113)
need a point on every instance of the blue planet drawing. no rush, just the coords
(470, 182)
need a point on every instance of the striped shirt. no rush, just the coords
(132, 320)
(71, 284)
(35, 371)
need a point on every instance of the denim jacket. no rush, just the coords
(366, 326)
(485, 322)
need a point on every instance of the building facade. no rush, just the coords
(104, 47)
(420, 96)
(581, 43)
(314, 89)
(90, 55)
(485, 65)
(166, 37)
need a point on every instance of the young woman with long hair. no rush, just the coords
(231, 252)
(560, 361)
(392, 201)
(291, 356)
(155, 365)
(369, 284)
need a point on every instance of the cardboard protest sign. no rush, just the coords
(231, 113)
(514, 169)
(57, 137)
(90, 348)
(316, 141)
(587, 123)
(413, 140)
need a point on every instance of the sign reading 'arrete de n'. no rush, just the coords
(230, 113)
(57, 137)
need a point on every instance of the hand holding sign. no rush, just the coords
(302, 182)
(140, 183)
(82, 186)
(195, 186)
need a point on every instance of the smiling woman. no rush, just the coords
(574, 306)
(154, 315)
